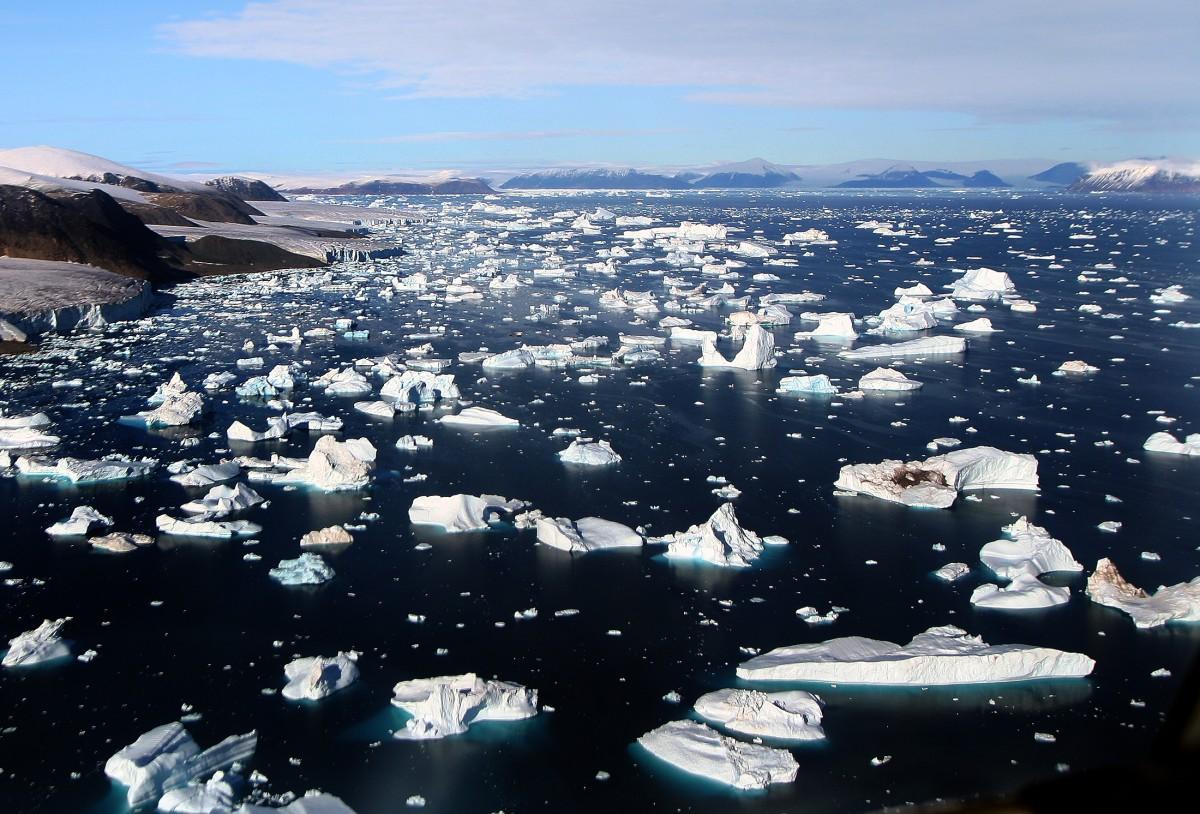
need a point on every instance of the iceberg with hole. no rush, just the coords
(757, 352)
(461, 513)
(448, 705)
(939, 656)
(698, 749)
(789, 715)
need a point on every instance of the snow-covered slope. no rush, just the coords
(57, 162)
(1143, 176)
(32, 180)
(756, 172)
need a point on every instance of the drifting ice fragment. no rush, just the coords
(332, 536)
(600, 453)
(1165, 442)
(311, 679)
(925, 346)
(38, 646)
(307, 569)
(585, 534)
(720, 541)
(478, 417)
(793, 715)
(1179, 602)
(447, 705)
(79, 523)
(757, 352)
(460, 513)
(936, 482)
(888, 380)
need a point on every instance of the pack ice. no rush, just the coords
(940, 655)
(1169, 603)
(935, 482)
(448, 705)
(167, 758)
(698, 749)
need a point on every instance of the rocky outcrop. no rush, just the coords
(454, 186)
(246, 189)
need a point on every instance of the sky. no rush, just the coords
(343, 86)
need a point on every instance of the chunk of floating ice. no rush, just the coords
(982, 284)
(208, 474)
(26, 438)
(204, 526)
(38, 646)
(223, 500)
(479, 418)
(332, 466)
(176, 410)
(509, 360)
(585, 534)
(419, 387)
(952, 571)
(925, 346)
(413, 442)
(983, 325)
(817, 385)
(757, 352)
(599, 453)
(940, 655)
(1077, 366)
(831, 326)
(277, 427)
(886, 379)
(15, 422)
(1029, 550)
(460, 513)
(80, 471)
(166, 758)
(1024, 592)
(698, 749)
(1180, 602)
(311, 679)
(447, 705)
(216, 796)
(307, 569)
(720, 541)
(1165, 442)
(936, 482)
(682, 334)
(79, 523)
(120, 542)
(375, 409)
(332, 536)
(794, 715)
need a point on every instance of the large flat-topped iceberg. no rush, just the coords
(1170, 603)
(701, 750)
(586, 534)
(940, 655)
(448, 705)
(757, 352)
(311, 679)
(38, 646)
(720, 540)
(478, 418)
(167, 758)
(80, 471)
(885, 379)
(26, 438)
(789, 715)
(460, 513)
(935, 482)
(925, 346)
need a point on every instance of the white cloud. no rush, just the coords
(1108, 59)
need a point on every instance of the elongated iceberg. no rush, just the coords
(940, 655)
(586, 534)
(459, 513)
(936, 482)
(701, 750)
(925, 346)
(789, 715)
(1170, 603)
(448, 705)
(38, 646)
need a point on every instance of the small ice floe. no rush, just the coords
(447, 705)
(940, 655)
(1180, 602)
(811, 616)
(119, 542)
(1110, 526)
(1165, 442)
(701, 750)
(1075, 367)
(311, 679)
(952, 571)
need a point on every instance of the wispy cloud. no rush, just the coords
(1107, 59)
(444, 136)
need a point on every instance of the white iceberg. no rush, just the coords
(757, 353)
(983, 325)
(202, 525)
(925, 346)
(26, 438)
(939, 656)
(936, 482)
(885, 379)
(982, 284)
(420, 387)
(332, 536)
(460, 513)
(832, 326)
(478, 417)
(701, 750)
(585, 453)
(224, 500)
(585, 534)
(77, 470)
(448, 705)
(790, 715)
(1165, 442)
(38, 646)
(80, 523)
(816, 385)
(208, 474)
(1171, 603)
(720, 540)
(307, 569)
(1030, 550)
(311, 679)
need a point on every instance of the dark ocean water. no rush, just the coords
(211, 642)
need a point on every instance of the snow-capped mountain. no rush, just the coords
(912, 178)
(58, 162)
(601, 178)
(1142, 175)
(756, 173)
(1062, 174)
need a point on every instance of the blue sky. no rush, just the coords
(349, 85)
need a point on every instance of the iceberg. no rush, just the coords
(1165, 442)
(169, 389)
(119, 542)
(26, 438)
(313, 802)
(311, 679)
(586, 534)
(460, 513)
(215, 796)
(1024, 592)
(332, 466)
(307, 569)
(832, 326)
(81, 471)
(936, 482)
(816, 385)
(420, 387)
(701, 750)
(885, 379)
(448, 705)
(176, 410)
(983, 325)
(375, 409)
(509, 360)
(203, 525)
(1029, 550)
(332, 536)
(584, 453)
(792, 715)
(982, 284)
(166, 758)
(757, 352)
(720, 541)
(918, 290)
(939, 656)
(38, 646)
(478, 417)
(925, 346)
(79, 523)
(208, 474)
(224, 500)
(1171, 603)
(277, 427)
